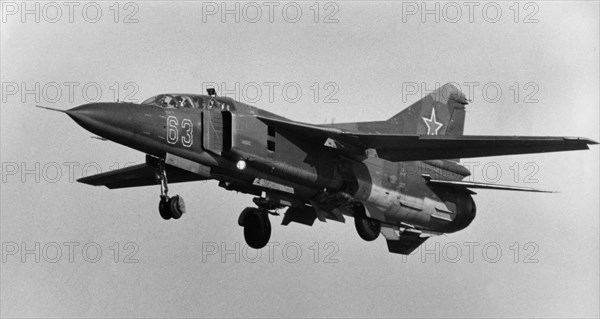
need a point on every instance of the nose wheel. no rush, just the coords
(168, 207)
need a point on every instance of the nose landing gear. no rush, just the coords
(168, 208)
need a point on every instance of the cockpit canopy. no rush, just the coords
(177, 101)
(192, 101)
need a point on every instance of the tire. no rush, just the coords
(176, 206)
(368, 229)
(163, 209)
(257, 230)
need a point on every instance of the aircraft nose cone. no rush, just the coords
(104, 119)
(106, 113)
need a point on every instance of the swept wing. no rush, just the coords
(405, 147)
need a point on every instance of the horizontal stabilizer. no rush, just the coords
(463, 184)
(403, 147)
(138, 175)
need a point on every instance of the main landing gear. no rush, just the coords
(257, 227)
(172, 207)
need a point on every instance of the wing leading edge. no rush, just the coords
(402, 147)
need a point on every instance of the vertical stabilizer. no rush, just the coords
(442, 112)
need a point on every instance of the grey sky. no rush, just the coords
(373, 62)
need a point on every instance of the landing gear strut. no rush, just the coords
(172, 207)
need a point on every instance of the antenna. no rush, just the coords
(51, 108)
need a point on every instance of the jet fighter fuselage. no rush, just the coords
(400, 177)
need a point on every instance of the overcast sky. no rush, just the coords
(528, 69)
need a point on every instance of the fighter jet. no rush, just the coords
(399, 177)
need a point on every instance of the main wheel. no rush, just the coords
(257, 229)
(176, 206)
(163, 209)
(367, 228)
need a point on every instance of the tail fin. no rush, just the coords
(442, 112)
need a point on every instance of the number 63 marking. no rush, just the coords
(187, 139)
